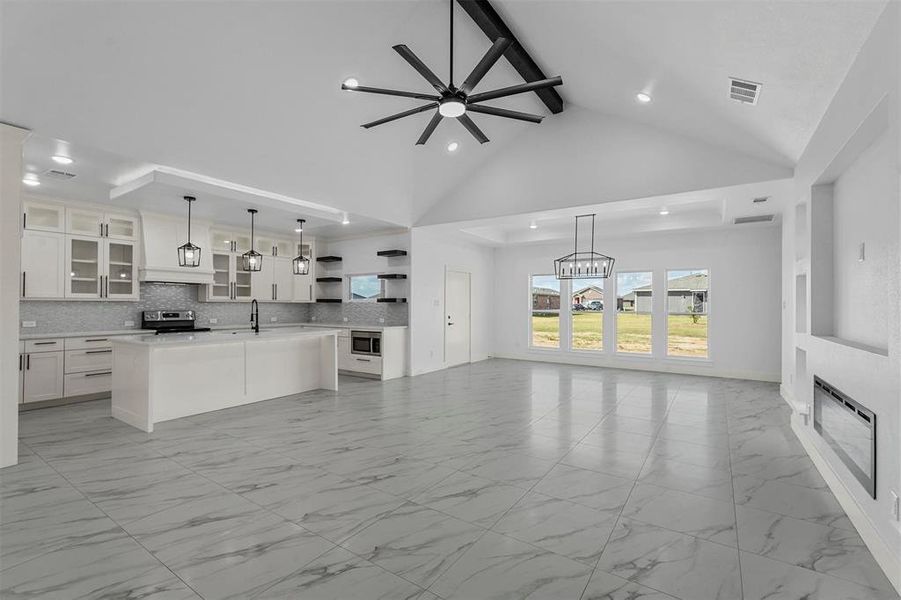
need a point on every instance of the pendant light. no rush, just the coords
(253, 260)
(189, 254)
(301, 263)
(583, 264)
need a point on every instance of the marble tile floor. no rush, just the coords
(501, 479)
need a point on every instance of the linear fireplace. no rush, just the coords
(850, 430)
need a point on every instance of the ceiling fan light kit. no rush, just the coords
(454, 102)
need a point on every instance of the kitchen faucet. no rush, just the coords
(255, 316)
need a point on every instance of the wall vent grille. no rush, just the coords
(754, 219)
(746, 92)
(58, 174)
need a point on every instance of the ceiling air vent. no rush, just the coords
(754, 219)
(745, 92)
(58, 174)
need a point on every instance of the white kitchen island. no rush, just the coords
(161, 377)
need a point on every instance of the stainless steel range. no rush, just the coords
(170, 321)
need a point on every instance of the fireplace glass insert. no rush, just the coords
(850, 430)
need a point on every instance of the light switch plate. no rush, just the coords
(29, 324)
(213, 320)
(273, 319)
(381, 319)
(345, 319)
(129, 323)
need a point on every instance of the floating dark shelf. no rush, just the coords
(392, 276)
(329, 300)
(397, 300)
(391, 253)
(329, 259)
(328, 279)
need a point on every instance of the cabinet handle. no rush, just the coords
(98, 374)
(99, 351)
(23, 284)
(101, 229)
(24, 220)
(20, 362)
(28, 362)
(45, 343)
(97, 340)
(364, 360)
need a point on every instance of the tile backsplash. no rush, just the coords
(64, 317)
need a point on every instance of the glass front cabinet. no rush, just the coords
(101, 268)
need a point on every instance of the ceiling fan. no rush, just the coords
(455, 102)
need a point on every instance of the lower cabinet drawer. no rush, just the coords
(77, 384)
(365, 364)
(80, 361)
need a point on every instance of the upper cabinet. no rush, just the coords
(78, 253)
(38, 216)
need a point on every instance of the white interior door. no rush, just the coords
(457, 325)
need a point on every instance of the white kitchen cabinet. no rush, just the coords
(120, 227)
(101, 268)
(84, 222)
(230, 281)
(84, 266)
(86, 361)
(230, 241)
(40, 216)
(303, 284)
(79, 384)
(43, 379)
(43, 265)
(120, 270)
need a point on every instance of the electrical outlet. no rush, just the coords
(29, 324)
(381, 319)
(273, 319)
(896, 505)
(345, 319)
(213, 320)
(129, 323)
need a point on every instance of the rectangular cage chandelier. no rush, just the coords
(583, 263)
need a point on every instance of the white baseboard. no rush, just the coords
(881, 550)
(680, 367)
(126, 416)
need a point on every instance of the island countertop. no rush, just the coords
(204, 338)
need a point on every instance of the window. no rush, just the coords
(364, 288)
(687, 302)
(587, 316)
(545, 311)
(634, 306)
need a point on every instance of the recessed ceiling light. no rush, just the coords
(31, 181)
(351, 82)
(643, 97)
(453, 146)
(533, 225)
(664, 211)
(63, 160)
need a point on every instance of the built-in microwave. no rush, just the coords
(366, 342)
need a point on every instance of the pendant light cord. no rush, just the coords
(189, 221)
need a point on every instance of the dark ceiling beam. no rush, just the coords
(494, 27)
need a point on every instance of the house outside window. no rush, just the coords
(687, 306)
(544, 330)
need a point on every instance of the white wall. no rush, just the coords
(869, 199)
(865, 210)
(744, 320)
(359, 258)
(11, 139)
(431, 255)
(583, 158)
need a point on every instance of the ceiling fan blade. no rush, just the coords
(494, 53)
(516, 89)
(472, 128)
(503, 112)
(372, 90)
(429, 129)
(420, 67)
(401, 115)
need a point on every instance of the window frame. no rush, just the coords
(529, 343)
(572, 336)
(666, 314)
(615, 348)
(350, 292)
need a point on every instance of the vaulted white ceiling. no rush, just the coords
(249, 91)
